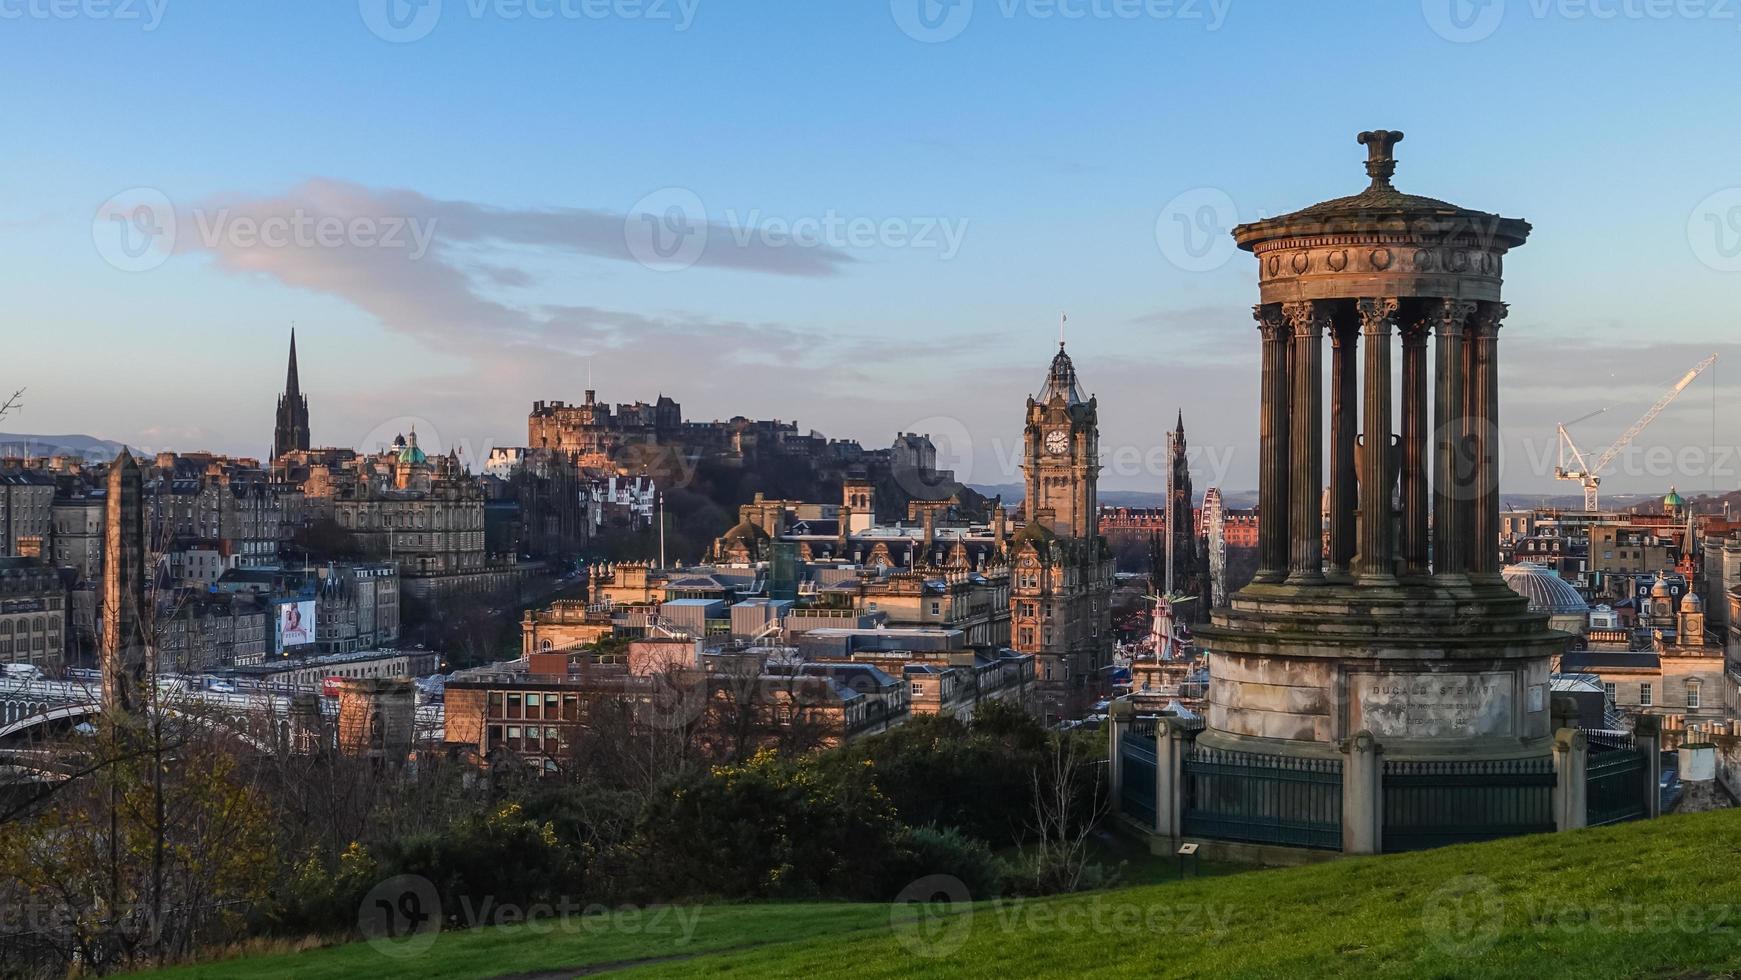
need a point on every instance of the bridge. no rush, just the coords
(30, 708)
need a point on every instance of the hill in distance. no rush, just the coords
(88, 447)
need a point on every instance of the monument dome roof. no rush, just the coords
(1545, 590)
(1384, 209)
(1673, 499)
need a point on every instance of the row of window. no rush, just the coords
(1695, 694)
(38, 624)
(528, 738)
(532, 705)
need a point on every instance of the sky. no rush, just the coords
(863, 216)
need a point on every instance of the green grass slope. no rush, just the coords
(1656, 899)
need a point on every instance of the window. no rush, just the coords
(1695, 695)
(1611, 691)
(1646, 697)
(936, 608)
(918, 689)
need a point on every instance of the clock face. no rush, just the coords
(1057, 441)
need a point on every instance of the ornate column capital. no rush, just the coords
(1270, 321)
(1376, 315)
(1487, 318)
(1449, 317)
(1308, 318)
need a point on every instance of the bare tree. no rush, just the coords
(1069, 802)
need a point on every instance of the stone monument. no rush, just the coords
(1402, 626)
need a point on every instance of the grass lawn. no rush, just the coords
(1645, 899)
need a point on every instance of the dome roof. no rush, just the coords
(1661, 590)
(1545, 590)
(1692, 603)
(1384, 209)
(1674, 499)
(408, 451)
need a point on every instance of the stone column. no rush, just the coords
(1362, 794)
(1273, 447)
(1647, 738)
(1483, 431)
(1171, 743)
(1376, 562)
(1414, 448)
(1308, 321)
(1450, 536)
(1344, 430)
(1571, 789)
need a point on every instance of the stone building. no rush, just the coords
(945, 674)
(26, 511)
(356, 607)
(34, 625)
(78, 529)
(356, 603)
(564, 625)
(199, 631)
(594, 428)
(1667, 665)
(1061, 570)
(542, 709)
(429, 519)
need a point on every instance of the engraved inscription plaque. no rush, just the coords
(1434, 705)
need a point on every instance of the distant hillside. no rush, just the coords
(26, 444)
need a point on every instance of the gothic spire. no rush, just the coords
(291, 387)
(290, 432)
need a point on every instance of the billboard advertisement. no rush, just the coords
(295, 624)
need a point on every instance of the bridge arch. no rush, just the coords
(236, 727)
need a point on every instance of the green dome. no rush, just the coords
(410, 453)
(1673, 500)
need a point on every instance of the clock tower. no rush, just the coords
(1061, 454)
(1060, 567)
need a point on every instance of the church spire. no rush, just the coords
(291, 386)
(290, 433)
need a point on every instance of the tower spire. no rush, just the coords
(291, 430)
(1062, 319)
(291, 385)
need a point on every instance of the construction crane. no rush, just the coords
(1588, 473)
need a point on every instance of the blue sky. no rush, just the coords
(1050, 147)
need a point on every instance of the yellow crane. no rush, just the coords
(1588, 473)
